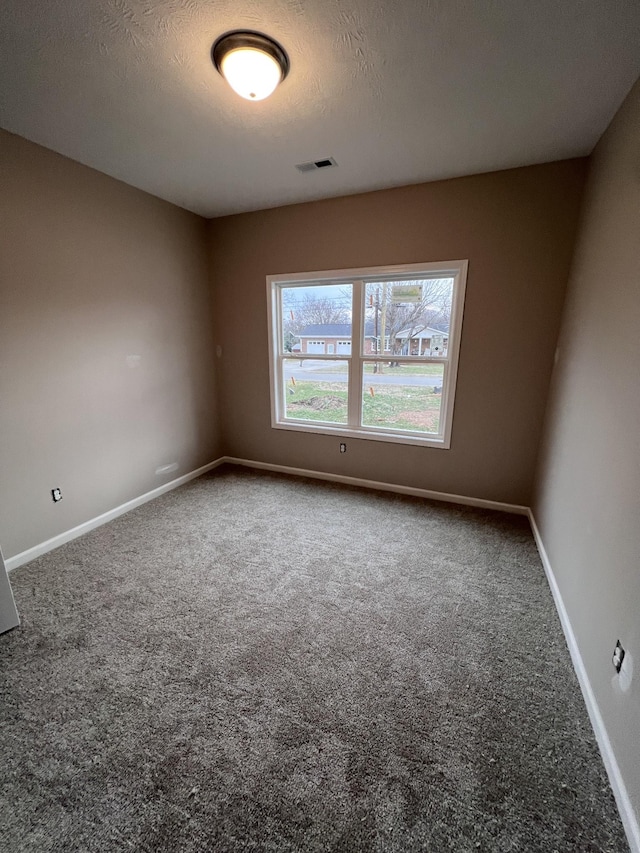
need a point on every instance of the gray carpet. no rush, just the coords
(261, 663)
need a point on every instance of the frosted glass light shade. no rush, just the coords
(251, 73)
(251, 63)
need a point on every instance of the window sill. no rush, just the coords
(439, 442)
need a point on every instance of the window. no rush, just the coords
(328, 373)
(387, 344)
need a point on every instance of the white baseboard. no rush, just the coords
(62, 538)
(56, 541)
(625, 806)
(383, 487)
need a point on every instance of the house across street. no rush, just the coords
(335, 339)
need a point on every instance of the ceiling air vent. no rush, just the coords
(314, 165)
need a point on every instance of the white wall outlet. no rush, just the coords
(622, 682)
(343, 447)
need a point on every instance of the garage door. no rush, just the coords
(344, 347)
(316, 347)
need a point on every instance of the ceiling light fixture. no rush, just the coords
(251, 63)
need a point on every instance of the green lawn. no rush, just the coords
(317, 401)
(393, 406)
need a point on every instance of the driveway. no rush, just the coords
(315, 374)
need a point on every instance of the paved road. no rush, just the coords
(370, 378)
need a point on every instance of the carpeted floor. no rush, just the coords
(261, 663)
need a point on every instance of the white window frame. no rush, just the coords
(359, 278)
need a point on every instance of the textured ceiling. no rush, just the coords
(398, 92)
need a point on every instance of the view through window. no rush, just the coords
(371, 353)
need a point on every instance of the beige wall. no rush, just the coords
(93, 271)
(587, 501)
(516, 228)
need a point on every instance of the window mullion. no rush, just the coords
(356, 363)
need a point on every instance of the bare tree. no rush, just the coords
(313, 310)
(308, 310)
(433, 307)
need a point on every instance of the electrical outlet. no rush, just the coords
(618, 656)
(56, 494)
(343, 447)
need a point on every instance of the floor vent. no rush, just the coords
(314, 165)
